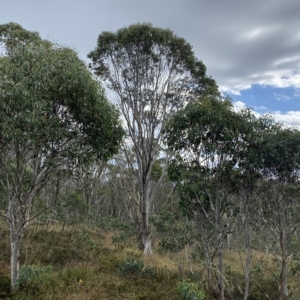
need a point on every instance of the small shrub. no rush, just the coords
(108, 261)
(85, 239)
(174, 231)
(263, 287)
(77, 274)
(110, 223)
(30, 275)
(119, 239)
(149, 272)
(131, 266)
(4, 284)
(295, 267)
(190, 290)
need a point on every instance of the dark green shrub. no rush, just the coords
(30, 277)
(108, 262)
(263, 287)
(110, 223)
(4, 285)
(131, 266)
(190, 290)
(149, 272)
(119, 239)
(174, 230)
(295, 267)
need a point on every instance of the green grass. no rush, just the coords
(87, 264)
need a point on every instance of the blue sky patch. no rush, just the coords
(269, 99)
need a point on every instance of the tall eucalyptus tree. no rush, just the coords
(206, 138)
(280, 208)
(150, 73)
(52, 114)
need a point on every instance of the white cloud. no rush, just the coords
(290, 118)
(297, 93)
(281, 79)
(281, 97)
(238, 105)
(261, 107)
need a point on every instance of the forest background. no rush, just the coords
(172, 163)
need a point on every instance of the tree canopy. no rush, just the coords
(151, 73)
(53, 114)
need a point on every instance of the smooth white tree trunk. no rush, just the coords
(15, 242)
(283, 272)
(248, 232)
(16, 226)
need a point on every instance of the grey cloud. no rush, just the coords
(240, 42)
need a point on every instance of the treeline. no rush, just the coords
(173, 157)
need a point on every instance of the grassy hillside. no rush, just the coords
(84, 263)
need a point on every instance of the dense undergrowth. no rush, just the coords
(91, 263)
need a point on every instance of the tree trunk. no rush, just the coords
(16, 226)
(15, 242)
(283, 273)
(144, 237)
(248, 229)
(220, 267)
(220, 250)
(208, 268)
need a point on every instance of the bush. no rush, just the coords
(190, 290)
(149, 272)
(110, 223)
(119, 239)
(4, 284)
(30, 276)
(174, 231)
(131, 266)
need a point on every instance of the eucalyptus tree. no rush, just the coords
(206, 138)
(280, 208)
(248, 179)
(53, 114)
(150, 73)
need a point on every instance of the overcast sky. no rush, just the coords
(251, 48)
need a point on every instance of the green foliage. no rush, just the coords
(135, 267)
(263, 287)
(156, 46)
(152, 73)
(38, 81)
(174, 230)
(56, 248)
(281, 154)
(295, 267)
(71, 207)
(53, 113)
(150, 272)
(131, 266)
(12, 34)
(4, 284)
(30, 275)
(205, 137)
(108, 261)
(76, 274)
(110, 223)
(119, 239)
(190, 290)
(156, 171)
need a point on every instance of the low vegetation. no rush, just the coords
(77, 262)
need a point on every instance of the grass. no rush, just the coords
(86, 265)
